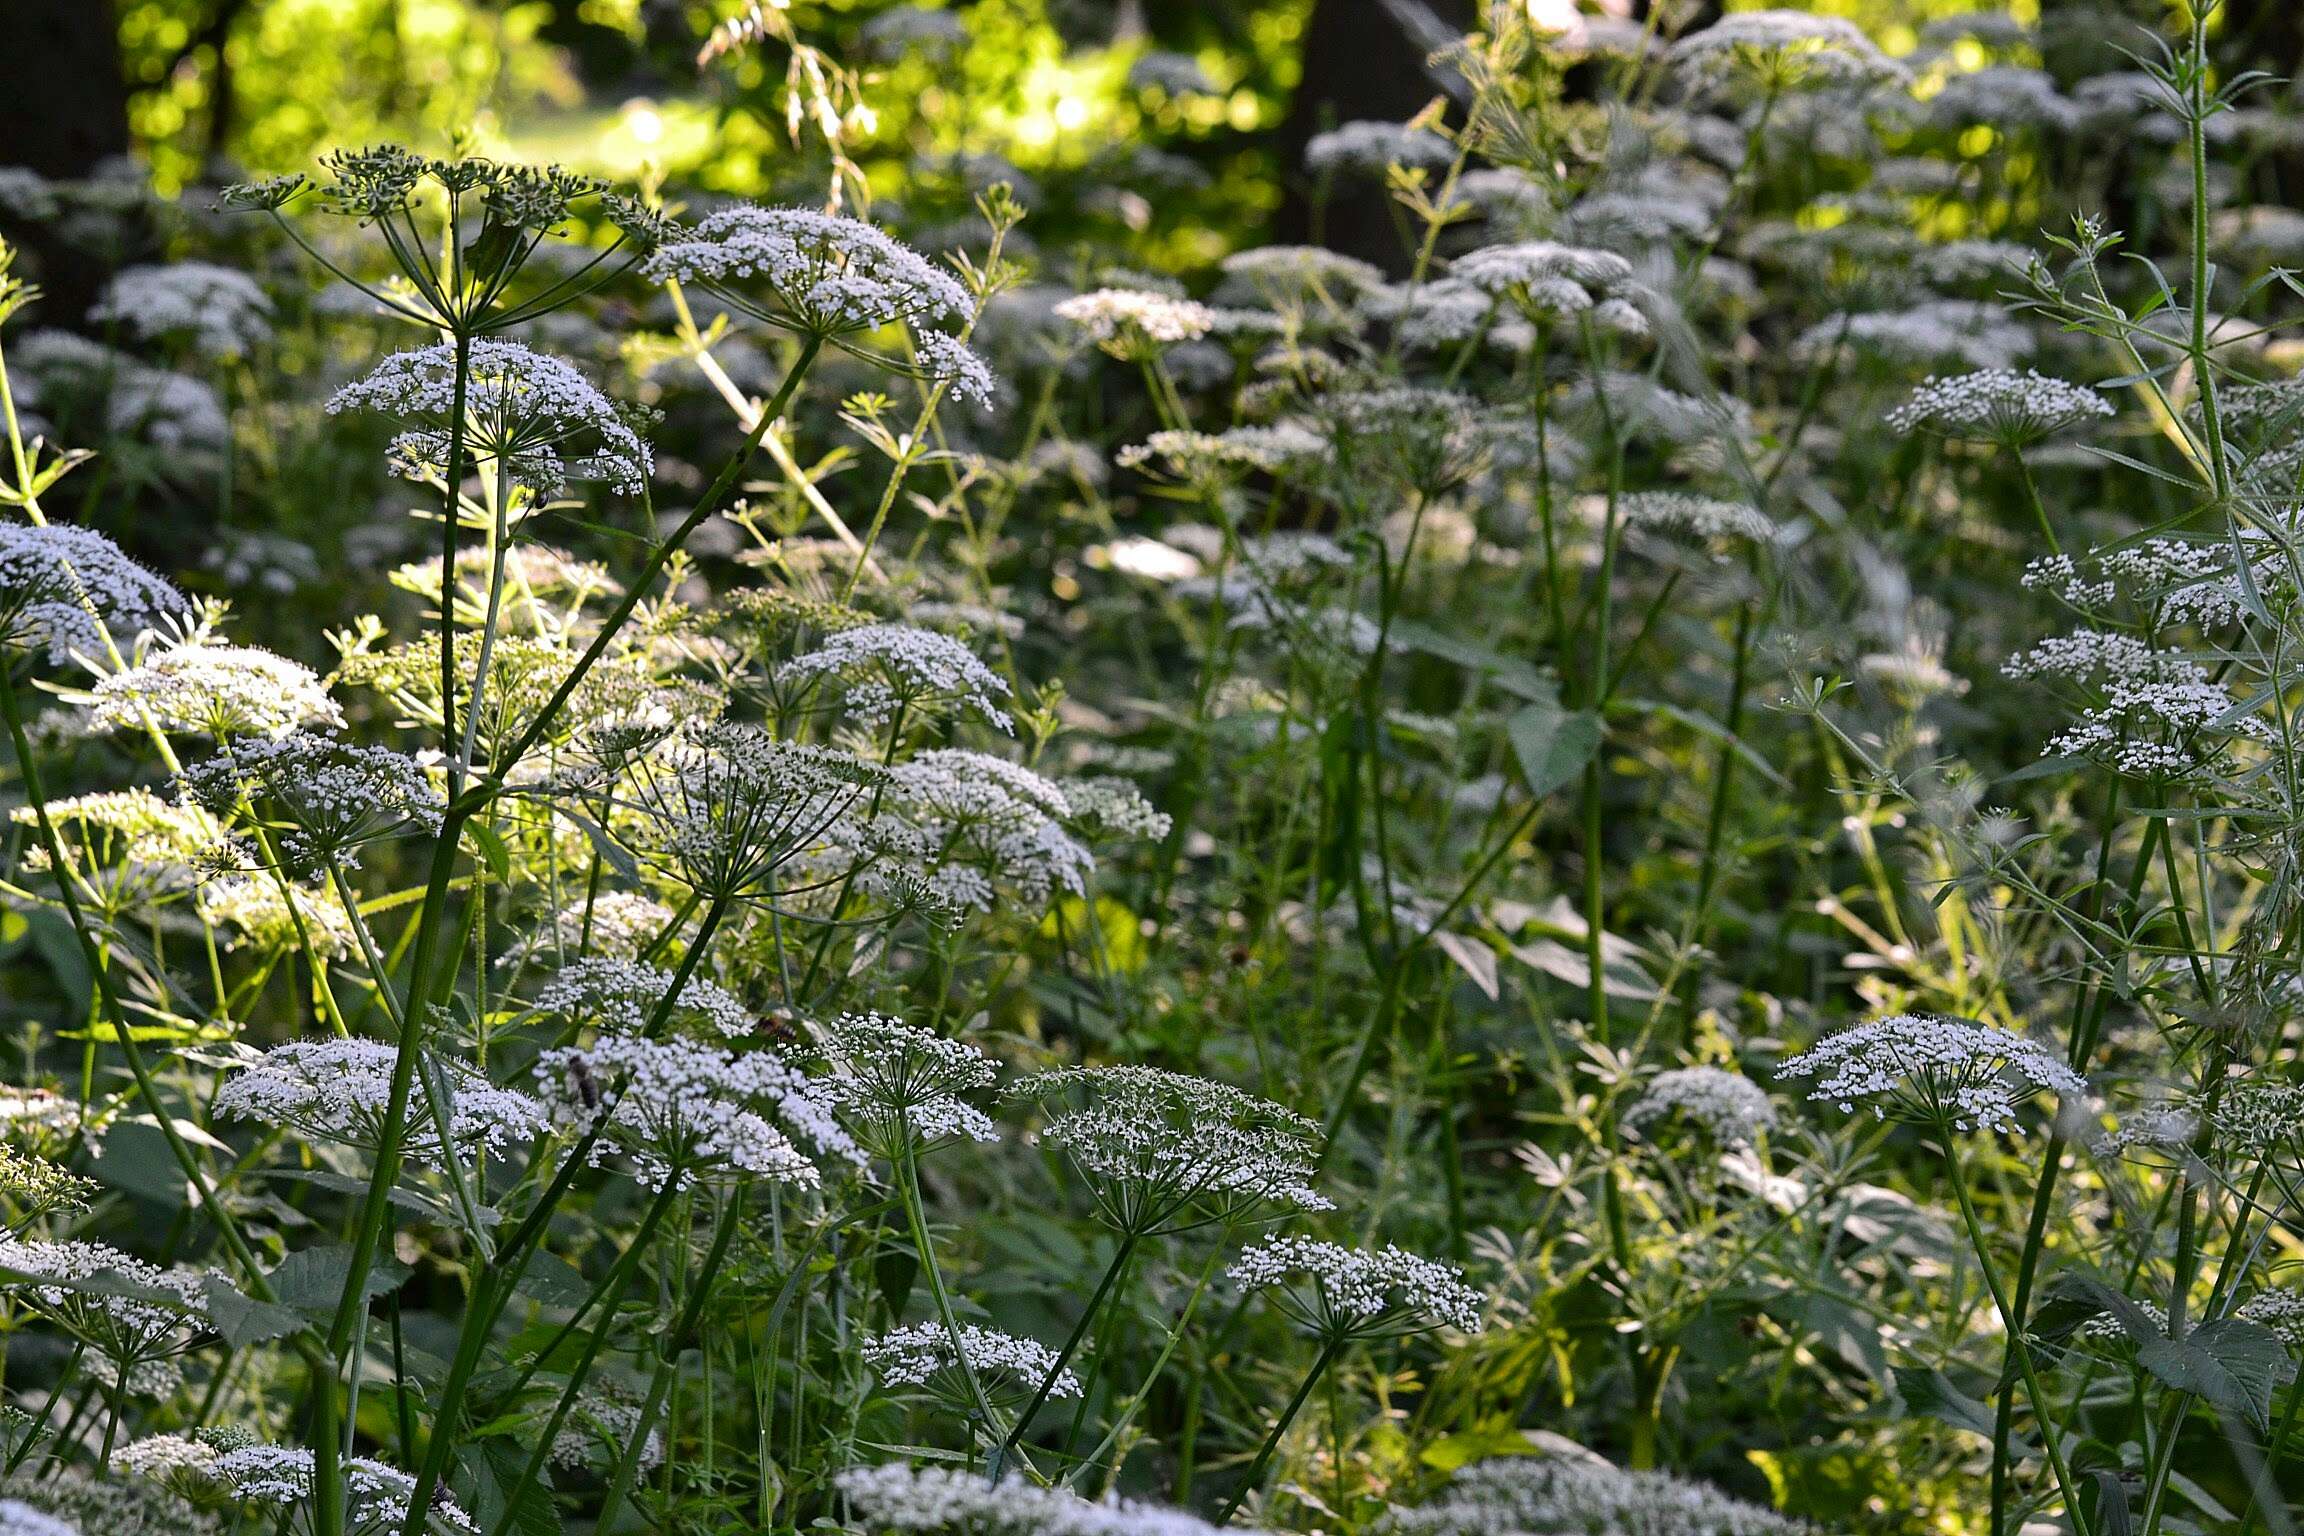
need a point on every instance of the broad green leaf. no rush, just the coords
(1552, 744)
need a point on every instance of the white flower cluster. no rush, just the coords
(896, 1082)
(1295, 274)
(219, 311)
(1165, 1152)
(725, 807)
(1726, 1106)
(1129, 322)
(598, 1422)
(2003, 96)
(333, 795)
(69, 589)
(949, 1501)
(168, 412)
(167, 1312)
(534, 416)
(921, 1354)
(1998, 405)
(678, 1107)
(624, 996)
(375, 1495)
(1963, 330)
(974, 828)
(1104, 806)
(887, 668)
(144, 847)
(2263, 1117)
(1339, 1292)
(222, 690)
(2086, 655)
(1221, 455)
(1701, 517)
(259, 909)
(1545, 280)
(1932, 1070)
(820, 274)
(2280, 1311)
(340, 1091)
(611, 925)
(1375, 147)
(18, 1518)
(1784, 49)
(2159, 728)
(1560, 1496)
(2158, 1129)
(2180, 581)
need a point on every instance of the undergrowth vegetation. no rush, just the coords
(676, 864)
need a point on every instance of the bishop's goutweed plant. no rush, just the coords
(1636, 867)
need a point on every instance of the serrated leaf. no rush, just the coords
(312, 1279)
(243, 1320)
(1552, 744)
(2234, 1364)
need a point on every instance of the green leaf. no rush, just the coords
(243, 1320)
(2235, 1365)
(493, 853)
(492, 249)
(1928, 1391)
(312, 1279)
(1552, 744)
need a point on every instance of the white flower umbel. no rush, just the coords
(1544, 280)
(1775, 51)
(887, 669)
(67, 589)
(1699, 517)
(1557, 1496)
(1107, 807)
(1933, 1071)
(18, 1518)
(327, 797)
(1335, 1292)
(217, 311)
(535, 417)
(1131, 323)
(725, 807)
(613, 925)
(1728, 1107)
(1373, 148)
(1163, 1152)
(1216, 457)
(255, 908)
(1998, 405)
(601, 1426)
(1295, 275)
(139, 849)
(161, 1313)
(338, 1091)
(375, 1495)
(678, 1108)
(625, 996)
(1007, 1367)
(218, 690)
(949, 1501)
(896, 1084)
(819, 274)
(2281, 1311)
(974, 828)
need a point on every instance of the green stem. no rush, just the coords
(1329, 1349)
(995, 1462)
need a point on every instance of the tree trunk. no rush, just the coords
(63, 112)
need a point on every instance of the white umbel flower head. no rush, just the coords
(1542, 279)
(1776, 51)
(1933, 1071)
(624, 997)
(1373, 147)
(67, 589)
(2279, 1310)
(1130, 323)
(1728, 1107)
(949, 1501)
(1699, 517)
(218, 690)
(895, 1083)
(1164, 1152)
(340, 1091)
(534, 416)
(375, 1495)
(18, 1518)
(1358, 1293)
(975, 829)
(725, 807)
(165, 1314)
(884, 669)
(818, 274)
(329, 796)
(1998, 405)
(1556, 1496)
(217, 311)
(678, 1108)
(1007, 1367)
